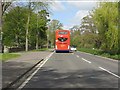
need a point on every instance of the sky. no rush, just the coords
(70, 13)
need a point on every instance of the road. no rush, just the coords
(74, 70)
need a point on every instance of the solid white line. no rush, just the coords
(77, 56)
(110, 72)
(39, 66)
(86, 60)
(107, 58)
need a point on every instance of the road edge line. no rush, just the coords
(109, 72)
(100, 56)
(38, 68)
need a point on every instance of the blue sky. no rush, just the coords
(70, 13)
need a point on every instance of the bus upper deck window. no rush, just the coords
(63, 32)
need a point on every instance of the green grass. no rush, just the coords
(7, 56)
(100, 53)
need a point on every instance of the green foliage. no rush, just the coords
(53, 25)
(91, 50)
(100, 53)
(100, 30)
(38, 29)
(106, 21)
(119, 27)
(75, 37)
(88, 40)
(14, 26)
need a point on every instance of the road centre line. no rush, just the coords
(77, 56)
(86, 60)
(39, 66)
(109, 72)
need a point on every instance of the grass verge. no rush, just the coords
(100, 53)
(7, 56)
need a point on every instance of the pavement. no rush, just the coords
(14, 68)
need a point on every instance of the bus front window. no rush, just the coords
(62, 39)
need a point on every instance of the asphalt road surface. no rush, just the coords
(74, 70)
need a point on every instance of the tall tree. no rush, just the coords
(14, 27)
(88, 24)
(38, 30)
(119, 27)
(27, 26)
(3, 7)
(106, 20)
(54, 25)
(34, 6)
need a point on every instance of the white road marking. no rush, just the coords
(109, 72)
(86, 60)
(77, 56)
(99, 56)
(39, 66)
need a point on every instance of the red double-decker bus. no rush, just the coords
(62, 40)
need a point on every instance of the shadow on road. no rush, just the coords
(12, 70)
(51, 78)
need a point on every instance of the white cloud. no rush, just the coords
(67, 27)
(83, 5)
(57, 6)
(79, 15)
(76, 20)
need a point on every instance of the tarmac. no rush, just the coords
(12, 69)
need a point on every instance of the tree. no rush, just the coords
(14, 27)
(34, 6)
(119, 27)
(38, 30)
(106, 21)
(3, 7)
(88, 24)
(75, 36)
(54, 25)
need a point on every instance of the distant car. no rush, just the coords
(73, 48)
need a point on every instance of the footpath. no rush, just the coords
(13, 68)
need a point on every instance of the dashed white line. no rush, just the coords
(109, 72)
(86, 60)
(77, 56)
(39, 66)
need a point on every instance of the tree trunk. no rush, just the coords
(26, 44)
(36, 42)
(37, 34)
(27, 28)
